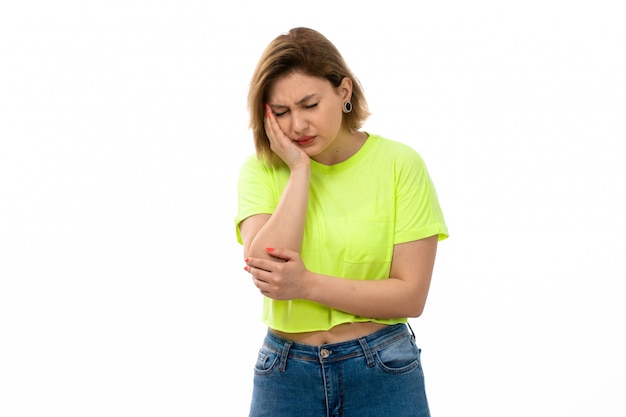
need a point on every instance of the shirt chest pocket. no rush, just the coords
(369, 239)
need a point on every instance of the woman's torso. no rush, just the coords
(337, 334)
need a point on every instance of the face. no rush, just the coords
(309, 111)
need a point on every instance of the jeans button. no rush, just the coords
(324, 353)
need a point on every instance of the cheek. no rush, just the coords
(335, 119)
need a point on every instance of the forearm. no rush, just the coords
(285, 227)
(382, 299)
(401, 295)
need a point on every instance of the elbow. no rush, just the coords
(415, 311)
(256, 251)
(249, 251)
(414, 301)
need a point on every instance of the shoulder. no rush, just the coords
(398, 152)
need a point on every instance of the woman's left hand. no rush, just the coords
(281, 279)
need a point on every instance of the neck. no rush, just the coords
(347, 145)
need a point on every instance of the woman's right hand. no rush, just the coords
(280, 143)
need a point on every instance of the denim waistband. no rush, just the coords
(363, 346)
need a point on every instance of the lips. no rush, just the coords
(305, 140)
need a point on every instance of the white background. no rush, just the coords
(123, 125)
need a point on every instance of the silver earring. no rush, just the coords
(347, 107)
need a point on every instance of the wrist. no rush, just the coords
(303, 167)
(311, 282)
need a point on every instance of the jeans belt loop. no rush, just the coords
(283, 357)
(368, 353)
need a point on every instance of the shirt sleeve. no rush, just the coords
(418, 213)
(256, 191)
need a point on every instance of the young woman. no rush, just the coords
(339, 230)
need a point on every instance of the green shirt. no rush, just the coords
(357, 211)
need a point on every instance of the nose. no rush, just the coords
(299, 123)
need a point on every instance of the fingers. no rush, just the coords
(281, 144)
(260, 279)
(282, 254)
(256, 280)
(256, 274)
(271, 126)
(279, 141)
(258, 264)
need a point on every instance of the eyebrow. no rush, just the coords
(299, 102)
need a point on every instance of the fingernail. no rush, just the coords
(245, 260)
(246, 267)
(269, 249)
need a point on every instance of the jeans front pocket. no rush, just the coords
(266, 361)
(399, 356)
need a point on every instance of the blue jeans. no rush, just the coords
(379, 375)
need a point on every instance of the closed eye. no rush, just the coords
(308, 106)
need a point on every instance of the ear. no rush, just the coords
(345, 89)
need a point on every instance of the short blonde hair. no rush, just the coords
(303, 50)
